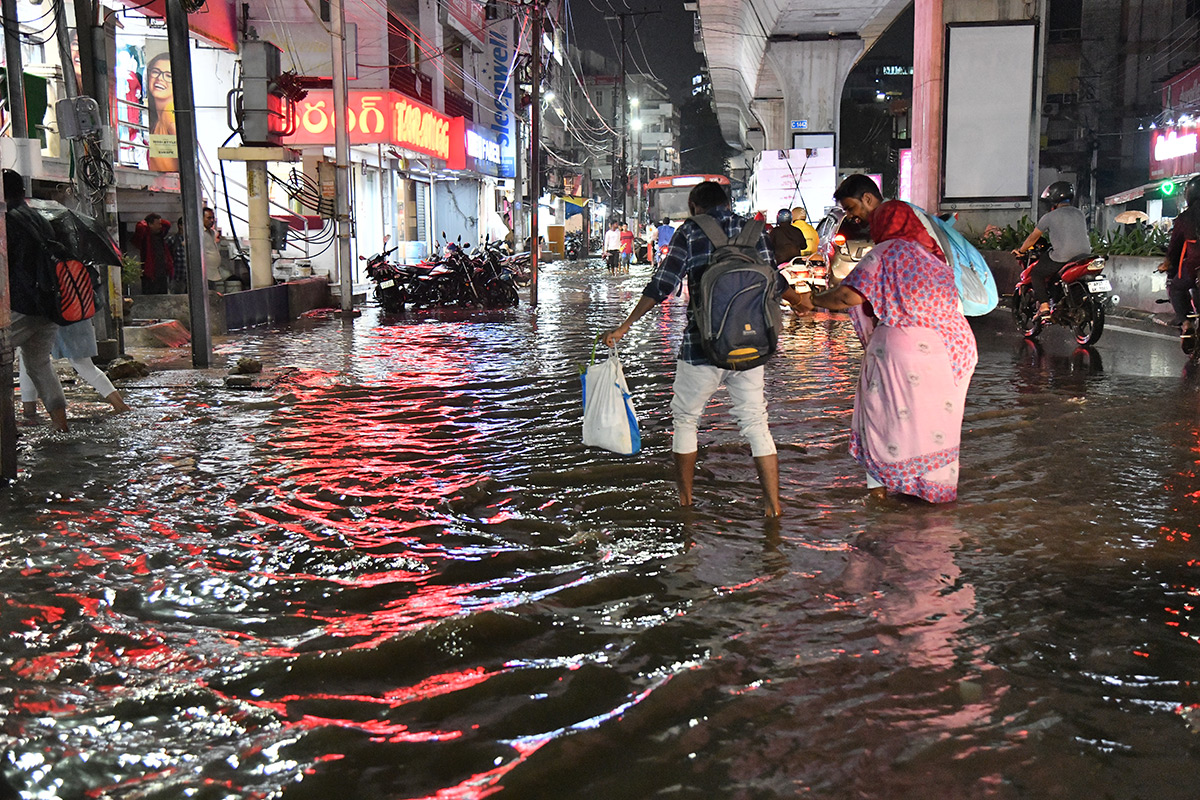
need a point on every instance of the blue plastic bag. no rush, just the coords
(976, 285)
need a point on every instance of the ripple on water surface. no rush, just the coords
(397, 574)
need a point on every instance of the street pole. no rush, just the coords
(189, 179)
(535, 146)
(342, 155)
(16, 88)
(8, 404)
(518, 213)
(620, 173)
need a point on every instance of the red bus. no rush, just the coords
(667, 196)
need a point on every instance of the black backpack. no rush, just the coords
(736, 306)
(65, 287)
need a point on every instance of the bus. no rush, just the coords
(667, 196)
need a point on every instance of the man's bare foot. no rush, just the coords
(117, 402)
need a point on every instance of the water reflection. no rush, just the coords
(395, 573)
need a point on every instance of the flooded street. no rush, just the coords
(397, 573)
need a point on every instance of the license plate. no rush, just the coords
(1095, 287)
(387, 284)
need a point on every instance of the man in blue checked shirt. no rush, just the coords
(696, 380)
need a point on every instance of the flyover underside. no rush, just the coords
(749, 42)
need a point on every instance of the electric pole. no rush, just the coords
(535, 147)
(620, 174)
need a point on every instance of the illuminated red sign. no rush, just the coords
(382, 117)
(1173, 151)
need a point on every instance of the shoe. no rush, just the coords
(1188, 342)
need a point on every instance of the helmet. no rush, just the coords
(783, 217)
(1059, 192)
(1192, 191)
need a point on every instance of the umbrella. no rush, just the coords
(1130, 217)
(84, 237)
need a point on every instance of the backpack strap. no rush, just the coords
(712, 229)
(750, 234)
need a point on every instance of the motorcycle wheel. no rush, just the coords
(1088, 322)
(1025, 313)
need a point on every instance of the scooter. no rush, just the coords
(1079, 298)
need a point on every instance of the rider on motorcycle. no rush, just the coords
(1183, 258)
(787, 241)
(1067, 228)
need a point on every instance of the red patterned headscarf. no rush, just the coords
(896, 220)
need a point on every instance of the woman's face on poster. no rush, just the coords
(158, 79)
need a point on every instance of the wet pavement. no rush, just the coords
(393, 571)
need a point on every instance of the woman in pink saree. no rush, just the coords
(918, 358)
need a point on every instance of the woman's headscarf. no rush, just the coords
(896, 220)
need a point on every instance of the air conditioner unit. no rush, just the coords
(1050, 109)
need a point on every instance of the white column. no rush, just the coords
(257, 198)
(811, 75)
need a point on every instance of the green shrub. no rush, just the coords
(1006, 238)
(1133, 240)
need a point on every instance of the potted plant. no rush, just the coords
(131, 274)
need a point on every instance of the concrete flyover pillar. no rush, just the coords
(811, 74)
(929, 39)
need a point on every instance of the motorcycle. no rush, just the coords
(574, 245)
(455, 278)
(806, 270)
(391, 284)
(1079, 298)
(1188, 334)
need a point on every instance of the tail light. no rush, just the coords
(839, 240)
(1096, 265)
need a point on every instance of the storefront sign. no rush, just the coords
(1173, 152)
(1182, 91)
(483, 151)
(498, 113)
(378, 117)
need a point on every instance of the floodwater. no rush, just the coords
(394, 572)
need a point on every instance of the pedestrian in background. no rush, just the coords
(177, 244)
(612, 246)
(31, 332)
(150, 237)
(626, 247)
(697, 379)
(215, 271)
(918, 358)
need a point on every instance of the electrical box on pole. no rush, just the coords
(264, 112)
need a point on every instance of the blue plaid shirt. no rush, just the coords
(688, 257)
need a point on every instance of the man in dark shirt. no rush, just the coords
(31, 332)
(696, 380)
(787, 240)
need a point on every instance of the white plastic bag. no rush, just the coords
(609, 419)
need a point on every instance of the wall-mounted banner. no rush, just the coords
(379, 117)
(497, 111)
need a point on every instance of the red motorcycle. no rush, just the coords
(1079, 297)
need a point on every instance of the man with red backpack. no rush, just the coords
(32, 332)
(696, 377)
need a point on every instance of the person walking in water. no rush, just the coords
(918, 357)
(696, 379)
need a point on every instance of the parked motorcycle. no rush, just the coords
(574, 245)
(1079, 298)
(391, 283)
(454, 279)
